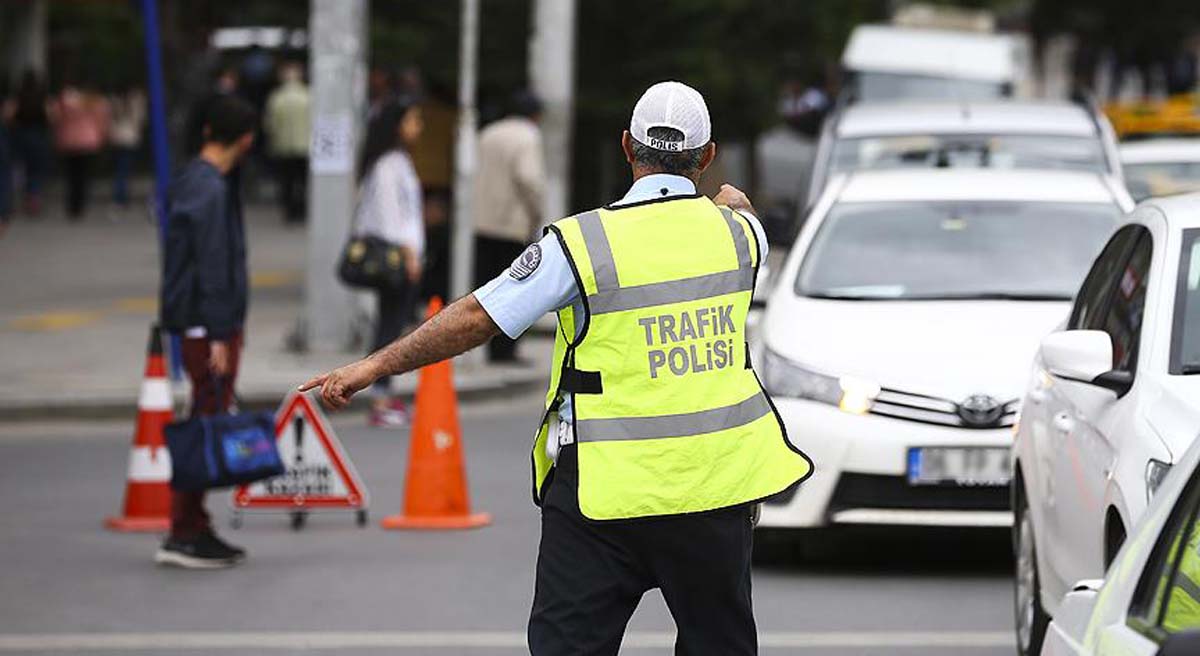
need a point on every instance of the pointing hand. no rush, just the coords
(339, 385)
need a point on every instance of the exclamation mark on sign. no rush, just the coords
(298, 427)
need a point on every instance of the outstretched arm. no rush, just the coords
(459, 328)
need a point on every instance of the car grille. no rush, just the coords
(932, 410)
(876, 491)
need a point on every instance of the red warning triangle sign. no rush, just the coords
(319, 473)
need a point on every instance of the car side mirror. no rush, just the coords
(1080, 355)
(1085, 356)
(1184, 643)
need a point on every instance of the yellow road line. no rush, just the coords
(53, 321)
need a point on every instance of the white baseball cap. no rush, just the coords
(671, 105)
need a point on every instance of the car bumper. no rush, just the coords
(860, 473)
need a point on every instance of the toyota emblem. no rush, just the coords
(980, 411)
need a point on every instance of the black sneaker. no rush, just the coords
(236, 553)
(194, 554)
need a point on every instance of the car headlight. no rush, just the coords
(785, 378)
(1156, 471)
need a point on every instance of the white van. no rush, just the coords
(887, 62)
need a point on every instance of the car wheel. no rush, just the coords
(1031, 618)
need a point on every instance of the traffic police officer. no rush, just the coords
(657, 438)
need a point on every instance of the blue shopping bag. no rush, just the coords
(222, 451)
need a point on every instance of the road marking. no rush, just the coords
(49, 321)
(273, 278)
(66, 319)
(216, 641)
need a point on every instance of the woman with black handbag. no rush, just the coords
(389, 236)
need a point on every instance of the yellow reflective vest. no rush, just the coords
(669, 417)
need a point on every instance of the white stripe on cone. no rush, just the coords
(155, 395)
(149, 464)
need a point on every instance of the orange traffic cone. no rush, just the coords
(147, 489)
(435, 488)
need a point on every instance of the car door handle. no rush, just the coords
(1064, 422)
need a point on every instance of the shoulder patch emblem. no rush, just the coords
(527, 263)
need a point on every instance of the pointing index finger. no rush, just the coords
(313, 382)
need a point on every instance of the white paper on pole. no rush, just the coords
(332, 148)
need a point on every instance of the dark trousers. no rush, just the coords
(122, 168)
(395, 312)
(77, 167)
(591, 575)
(492, 257)
(188, 516)
(293, 187)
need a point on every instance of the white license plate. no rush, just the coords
(976, 466)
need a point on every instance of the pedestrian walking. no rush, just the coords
(507, 206)
(390, 208)
(653, 414)
(287, 126)
(125, 137)
(80, 118)
(204, 297)
(29, 124)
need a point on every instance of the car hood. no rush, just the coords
(947, 349)
(1175, 413)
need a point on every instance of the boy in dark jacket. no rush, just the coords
(204, 293)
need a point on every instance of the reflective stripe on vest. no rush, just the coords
(679, 425)
(676, 421)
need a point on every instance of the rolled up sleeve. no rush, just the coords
(515, 304)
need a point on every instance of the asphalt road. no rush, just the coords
(67, 586)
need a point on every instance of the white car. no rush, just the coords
(989, 134)
(887, 62)
(897, 338)
(1113, 401)
(1149, 605)
(1161, 167)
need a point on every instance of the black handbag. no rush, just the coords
(370, 262)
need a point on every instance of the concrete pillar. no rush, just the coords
(26, 37)
(552, 74)
(337, 61)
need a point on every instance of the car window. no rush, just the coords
(1182, 597)
(1006, 151)
(953, 250)
(893, 86)
(1162, 178)
(1089, 302)
(1167, 598)
(1185, 333)
(1124, 318)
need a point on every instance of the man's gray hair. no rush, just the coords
(683, 162)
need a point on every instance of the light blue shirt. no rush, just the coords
(516, 304)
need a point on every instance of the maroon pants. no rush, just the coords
(188, 516)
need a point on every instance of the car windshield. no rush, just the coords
(997, 151)
(954, 250)
(899, 86)
(1185, 358)
(1162, 178)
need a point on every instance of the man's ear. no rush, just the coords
(627, 145)
(710, 153)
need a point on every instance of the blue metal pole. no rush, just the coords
(159, 147)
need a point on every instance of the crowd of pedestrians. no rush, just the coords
(72, 127)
